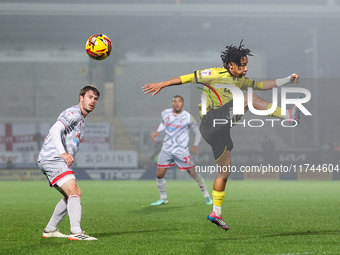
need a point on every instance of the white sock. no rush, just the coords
(58, 214)
(74, 213)
(161, 183)
(218, 210)
(200, 182)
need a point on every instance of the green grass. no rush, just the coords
(265, 217)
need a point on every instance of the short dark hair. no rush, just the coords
(234, 54)
(179, 97)
(88, 88)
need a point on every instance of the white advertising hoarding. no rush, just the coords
(107, 159)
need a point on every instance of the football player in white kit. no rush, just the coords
(55, 161)
(176, 123)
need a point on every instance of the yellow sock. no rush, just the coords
(218, 197)
(276, 113)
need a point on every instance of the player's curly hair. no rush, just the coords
(234, 54)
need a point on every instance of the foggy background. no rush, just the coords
(43, 65)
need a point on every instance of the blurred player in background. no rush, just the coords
(233, 72)
(176, 124)
(55, 161)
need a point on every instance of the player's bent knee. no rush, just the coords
(161, 172)
(223, 175)
(71, 188)
(256, 98)
(75, 192)
(192, 173)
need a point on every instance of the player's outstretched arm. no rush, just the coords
(157, 87)
(293, 78)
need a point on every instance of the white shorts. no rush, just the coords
(57, 172)
(181, 157)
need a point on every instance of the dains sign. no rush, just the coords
(104, 159)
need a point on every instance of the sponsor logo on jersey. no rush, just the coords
(77, 139)
(172, 126)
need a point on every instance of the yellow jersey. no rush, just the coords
(218, 75)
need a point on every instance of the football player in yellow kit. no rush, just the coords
(233, 72)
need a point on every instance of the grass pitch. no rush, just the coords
(265, 217)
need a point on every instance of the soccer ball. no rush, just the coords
(98, 47)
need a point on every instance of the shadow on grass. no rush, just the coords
(131, 232)
(321, 232)
(159, 208)
(304, 233)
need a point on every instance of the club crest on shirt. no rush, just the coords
(206, 73)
